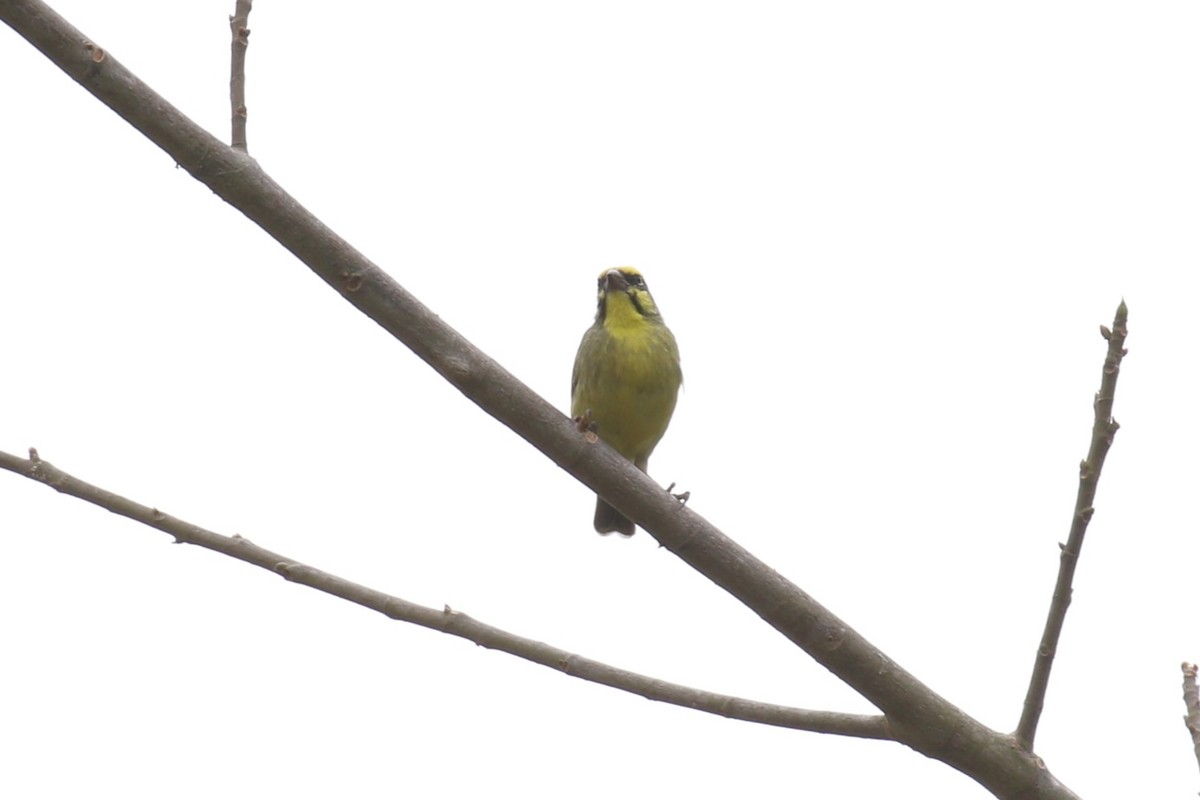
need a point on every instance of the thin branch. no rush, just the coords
(1191, 701)
(448, 620)
(237, 72)
(917, 716)
(1104, 427)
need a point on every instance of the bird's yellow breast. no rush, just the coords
(627, 375)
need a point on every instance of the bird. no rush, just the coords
(626, 378)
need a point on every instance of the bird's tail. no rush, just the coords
(609, 520)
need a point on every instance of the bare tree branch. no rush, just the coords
(448, 620)
(1191, 701)
(237, 72)
(1104, 427)
(916, 715)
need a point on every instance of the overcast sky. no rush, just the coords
(885, 235)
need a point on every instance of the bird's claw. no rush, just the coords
(585, 423)
(682, 497)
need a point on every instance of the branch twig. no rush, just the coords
(237, 72)
(1104, 427)
(450, 621)
(1191, 701)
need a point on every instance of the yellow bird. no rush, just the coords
(626, 377)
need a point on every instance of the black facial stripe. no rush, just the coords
(637, 303)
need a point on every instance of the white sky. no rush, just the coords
(885, 236)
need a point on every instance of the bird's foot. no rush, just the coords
(585, 423)
(682, 497)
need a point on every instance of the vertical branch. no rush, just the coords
(1103, 429)
(1191, 700)
(237, 72)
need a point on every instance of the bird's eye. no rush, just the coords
(635, 280)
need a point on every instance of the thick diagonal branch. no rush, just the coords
(449, 621)
(1104, 427)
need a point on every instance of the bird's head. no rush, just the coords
(623, 299)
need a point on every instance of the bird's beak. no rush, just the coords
(614, 281)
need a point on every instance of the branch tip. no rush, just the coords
(238, 25)
(1191, 701)
(1103, 429)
